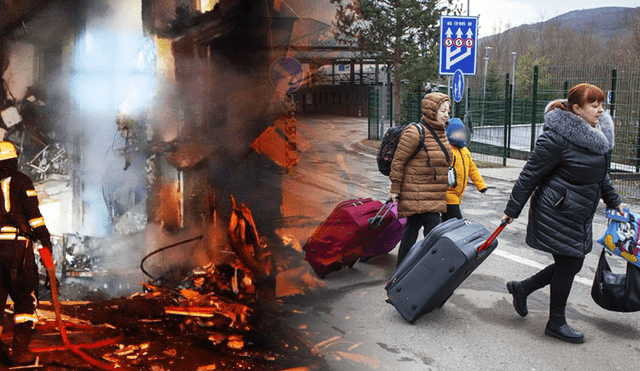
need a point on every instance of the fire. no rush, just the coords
(246, 242)
(169, 214)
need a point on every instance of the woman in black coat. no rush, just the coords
(566, 176)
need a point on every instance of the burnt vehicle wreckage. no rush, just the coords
(223, 314)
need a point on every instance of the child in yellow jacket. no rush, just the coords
(465, 169)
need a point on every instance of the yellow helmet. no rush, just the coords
(7, 151)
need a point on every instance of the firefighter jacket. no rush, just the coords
(465, 169)
(19, 212)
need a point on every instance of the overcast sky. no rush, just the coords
(518, 12)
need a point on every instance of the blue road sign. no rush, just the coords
(458, 44)
(458, 86)
(286, 74)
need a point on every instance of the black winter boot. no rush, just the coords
(21, 355)
(520, 291)
(558, 328)
(564, 333)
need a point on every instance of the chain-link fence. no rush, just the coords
(504, 123)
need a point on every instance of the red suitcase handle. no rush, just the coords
(493, 237)
(376, 221)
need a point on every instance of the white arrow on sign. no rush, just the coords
(451, 54)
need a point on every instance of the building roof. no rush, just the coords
(310, 41)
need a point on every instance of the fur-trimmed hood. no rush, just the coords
(577, 131)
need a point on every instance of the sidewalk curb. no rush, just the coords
(493, 177)
(358, 144)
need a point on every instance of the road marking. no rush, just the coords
(533, 264)
(350, 148)
(343, 165)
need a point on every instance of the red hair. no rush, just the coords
(581, 95)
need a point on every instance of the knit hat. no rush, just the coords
(456, 133)
(430, 104)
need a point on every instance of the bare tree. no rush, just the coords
(626, 49)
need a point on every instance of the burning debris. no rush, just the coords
(209, 320)
(219, 298)
(195, 99)
(213, 317)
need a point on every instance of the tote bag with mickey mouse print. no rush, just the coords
(622, 237)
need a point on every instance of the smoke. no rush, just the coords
(322, 11)
(112, 72)
(207, 105)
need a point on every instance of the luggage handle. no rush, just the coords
(376, 221)
(359, 202)
(493, 237)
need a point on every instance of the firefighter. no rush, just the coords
(20, 223)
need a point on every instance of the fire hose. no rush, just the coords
(47, 259)
(163, 249)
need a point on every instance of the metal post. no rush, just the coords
(466, 98)
(484, 85)
(333, 73)
(382, 105)
(534, 102)
(566, 89)
(510, 121)
(361, 73)
(352, 72)
(390, 99)
(466, 80)
(612, 106)
(638, 150)
(614, 85)
(467, 116)
(377, 73)
(513, 83)
(505, 154)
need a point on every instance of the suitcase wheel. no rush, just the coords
(444, 301)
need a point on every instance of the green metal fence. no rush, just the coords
(376, 110)
(504, 122)
(412, 105)
(374, 113)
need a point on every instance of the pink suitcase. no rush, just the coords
(338, 242)
(390, 234)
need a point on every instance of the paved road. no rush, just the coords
(345, 316)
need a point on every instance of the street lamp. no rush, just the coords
(484, 85)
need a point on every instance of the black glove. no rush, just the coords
(483, 191)
(47, 245)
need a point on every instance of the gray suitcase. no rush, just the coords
(437, 265)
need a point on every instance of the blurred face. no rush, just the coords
(460, 135)
(442, 115)
(590, 112)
